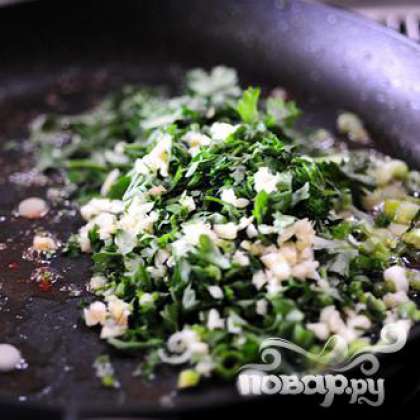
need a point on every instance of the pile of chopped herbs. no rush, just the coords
(213, 223)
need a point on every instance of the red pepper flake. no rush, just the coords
(45, 284)
(13, 266)
(44, 278)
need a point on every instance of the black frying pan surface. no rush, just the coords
(64, 57)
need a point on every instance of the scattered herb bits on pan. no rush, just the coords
(213, 223)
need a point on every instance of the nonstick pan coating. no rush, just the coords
(64, 57)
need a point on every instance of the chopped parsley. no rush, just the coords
(213, 224)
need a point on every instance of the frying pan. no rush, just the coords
(63, 56)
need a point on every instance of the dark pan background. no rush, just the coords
(64, 56)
